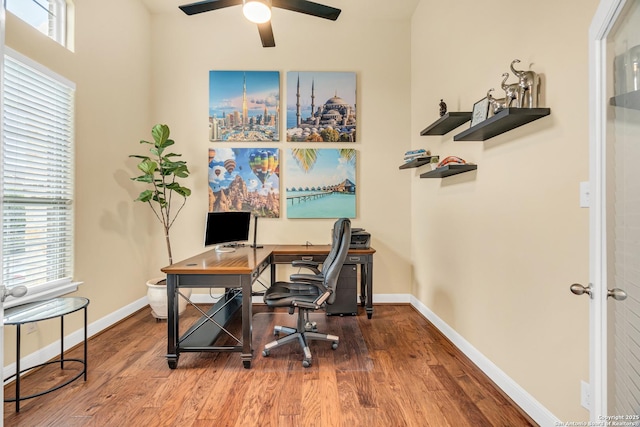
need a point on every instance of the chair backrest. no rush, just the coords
(331, 267)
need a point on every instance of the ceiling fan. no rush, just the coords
(259, 11)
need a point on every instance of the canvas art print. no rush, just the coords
(321, 106)
(244, 105)
(321, 183)
(245, 179)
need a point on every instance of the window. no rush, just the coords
(37, 179)
(47, 16)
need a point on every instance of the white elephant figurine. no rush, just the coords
(529, 83)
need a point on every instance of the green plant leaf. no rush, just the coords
(148, 166)
(160, 134)
(145, 196)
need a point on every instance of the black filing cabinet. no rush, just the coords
(346, 302)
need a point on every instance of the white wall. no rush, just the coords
(494, 251)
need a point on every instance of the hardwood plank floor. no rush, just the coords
(395, 369)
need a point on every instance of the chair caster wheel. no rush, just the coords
(306, 363)
(265, 353)
(334, 345)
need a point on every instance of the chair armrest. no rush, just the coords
(306, 278)
(311, 265)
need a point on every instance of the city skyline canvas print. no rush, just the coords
(321, 106)
(321, 183)
(245, 179)
(244, 106)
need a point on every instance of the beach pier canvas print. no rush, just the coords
(245, 179)
(244, 106)
(321, 183)
(321, 106)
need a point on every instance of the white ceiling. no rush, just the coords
(376, 9)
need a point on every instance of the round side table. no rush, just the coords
(36, 312)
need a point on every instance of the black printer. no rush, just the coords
(360, 239)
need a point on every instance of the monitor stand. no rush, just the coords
(224, 249)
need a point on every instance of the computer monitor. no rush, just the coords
(227, 227)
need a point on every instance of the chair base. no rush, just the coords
(305, 332)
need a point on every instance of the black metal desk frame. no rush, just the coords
(36, 312)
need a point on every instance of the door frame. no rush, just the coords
(604, 18)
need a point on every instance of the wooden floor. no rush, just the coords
(393, 370)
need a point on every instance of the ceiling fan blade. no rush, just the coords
(207, 5)
(308, 7)
(266, 35)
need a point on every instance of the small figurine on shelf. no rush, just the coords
(443, 108)
(529, 91)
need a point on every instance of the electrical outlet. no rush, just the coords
(31, 327)
(585, 394)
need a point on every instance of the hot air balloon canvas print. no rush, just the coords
(244, 105)
(321, 183)
(245, 179)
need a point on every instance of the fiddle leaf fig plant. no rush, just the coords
(160, 172)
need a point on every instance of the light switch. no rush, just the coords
(585, 194)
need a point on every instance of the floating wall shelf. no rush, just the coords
(505, 120)
(627, 100)
(417, 162)
(446, 123)
(448, 170)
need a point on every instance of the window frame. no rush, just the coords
(54, 287)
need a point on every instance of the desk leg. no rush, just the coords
(368, 276)
(273, 274)
(172, 322)
(247, 315)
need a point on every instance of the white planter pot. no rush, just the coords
(157, 296)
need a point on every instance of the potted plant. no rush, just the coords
(166, 197)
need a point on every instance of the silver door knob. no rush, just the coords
(578, 289)
(617, 294)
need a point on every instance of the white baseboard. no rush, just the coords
(528, 403)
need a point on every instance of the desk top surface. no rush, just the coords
(245, 259)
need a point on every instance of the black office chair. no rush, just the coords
(314, 266)
(310, 296)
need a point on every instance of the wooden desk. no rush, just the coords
(233, 271)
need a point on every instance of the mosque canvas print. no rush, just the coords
(245, 179)
(244, 105)
(321, 106)
(321, 183)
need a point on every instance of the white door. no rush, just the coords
(2, 17)
(614, 46)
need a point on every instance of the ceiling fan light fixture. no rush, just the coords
(258, 11)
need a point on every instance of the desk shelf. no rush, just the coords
(448, 170)
(505, 120)
(446, 123)
(417, 162)
(627, 100)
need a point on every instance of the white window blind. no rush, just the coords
(37, 176)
